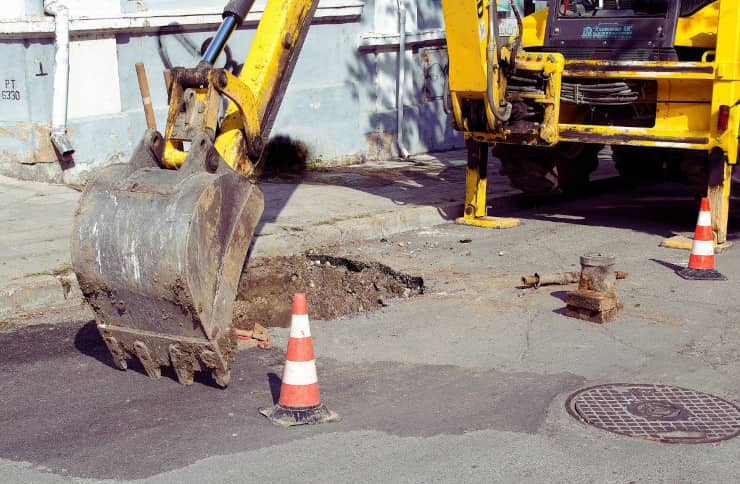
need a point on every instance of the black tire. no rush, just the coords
(639, 166)
(694, 169)
(543, 172)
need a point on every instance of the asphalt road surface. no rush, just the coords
(466, 383)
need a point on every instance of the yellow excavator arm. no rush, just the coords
(159, 242)
(255, 95)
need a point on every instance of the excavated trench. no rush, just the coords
(334, 286)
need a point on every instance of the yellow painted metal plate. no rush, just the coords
(685, 243)
(489, 222)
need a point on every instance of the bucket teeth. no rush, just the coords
(183, 361)
(117, 352)
(150, 365)
(221, 377)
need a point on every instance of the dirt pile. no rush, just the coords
(335, 287)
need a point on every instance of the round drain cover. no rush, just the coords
(656, 412)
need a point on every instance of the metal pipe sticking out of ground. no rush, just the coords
(559, 278)
(595, 299)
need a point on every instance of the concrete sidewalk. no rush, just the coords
(324, 207)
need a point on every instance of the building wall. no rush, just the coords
(341, 101)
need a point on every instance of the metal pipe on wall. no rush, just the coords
(403, 152)
(61, 77)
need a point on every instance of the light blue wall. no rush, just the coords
(34, 7)
(128, 6)
(429, 14)
(333, 103)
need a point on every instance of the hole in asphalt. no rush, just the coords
(334, 286)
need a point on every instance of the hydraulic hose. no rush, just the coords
(520, 28)
(493, 60)
(234, 14)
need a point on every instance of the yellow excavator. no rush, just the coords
(548, 88)
(159, 243)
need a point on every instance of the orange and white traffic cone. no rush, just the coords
(300, 402)
(701, 260)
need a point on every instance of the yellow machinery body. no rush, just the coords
(684, 109)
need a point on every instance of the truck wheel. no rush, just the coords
(694, 168)
(638, 165)
(641, 166)
(542, 172)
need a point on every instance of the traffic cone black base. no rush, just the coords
(701, 275)
(288, 417)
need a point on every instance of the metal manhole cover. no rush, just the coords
(656, 412)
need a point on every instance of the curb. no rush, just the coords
(280, 240)
(25, 298)
(50, 299)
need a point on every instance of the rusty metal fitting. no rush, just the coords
(559, 278)
(597, 273)
(596, 297)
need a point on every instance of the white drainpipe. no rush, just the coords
(61, 77)
(401, 78)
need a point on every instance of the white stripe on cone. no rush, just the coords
(300, 373)
(299, 327)
(703, 247)
(705, 219)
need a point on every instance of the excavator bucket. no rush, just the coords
(158, 254)
(158, 251)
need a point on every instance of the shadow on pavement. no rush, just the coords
(560, 295)
(89, 342)
(404, 183)
(664, 209)
(673, 267)
(275, 384)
